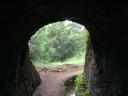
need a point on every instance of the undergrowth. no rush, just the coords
(81, 89)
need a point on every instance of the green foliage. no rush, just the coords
(81, 89)
(58, 42)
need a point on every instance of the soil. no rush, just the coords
(53, 80)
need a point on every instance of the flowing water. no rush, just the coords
(71, 94)
(71, 90)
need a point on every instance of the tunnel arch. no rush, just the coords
(90, 54)
(100, 19)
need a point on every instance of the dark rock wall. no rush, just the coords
(27, 79)
(107, 69)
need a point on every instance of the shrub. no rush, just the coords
(81, 89)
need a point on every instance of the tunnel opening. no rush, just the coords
(59, 47)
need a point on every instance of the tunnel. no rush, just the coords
(106, 58)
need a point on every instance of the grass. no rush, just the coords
(76, 61)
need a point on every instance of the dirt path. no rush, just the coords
(52, 81)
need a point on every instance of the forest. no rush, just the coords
(57, 43)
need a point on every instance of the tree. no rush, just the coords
(57, 42)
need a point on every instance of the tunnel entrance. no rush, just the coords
(59, 49)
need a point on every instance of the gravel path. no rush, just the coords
(52, 81)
